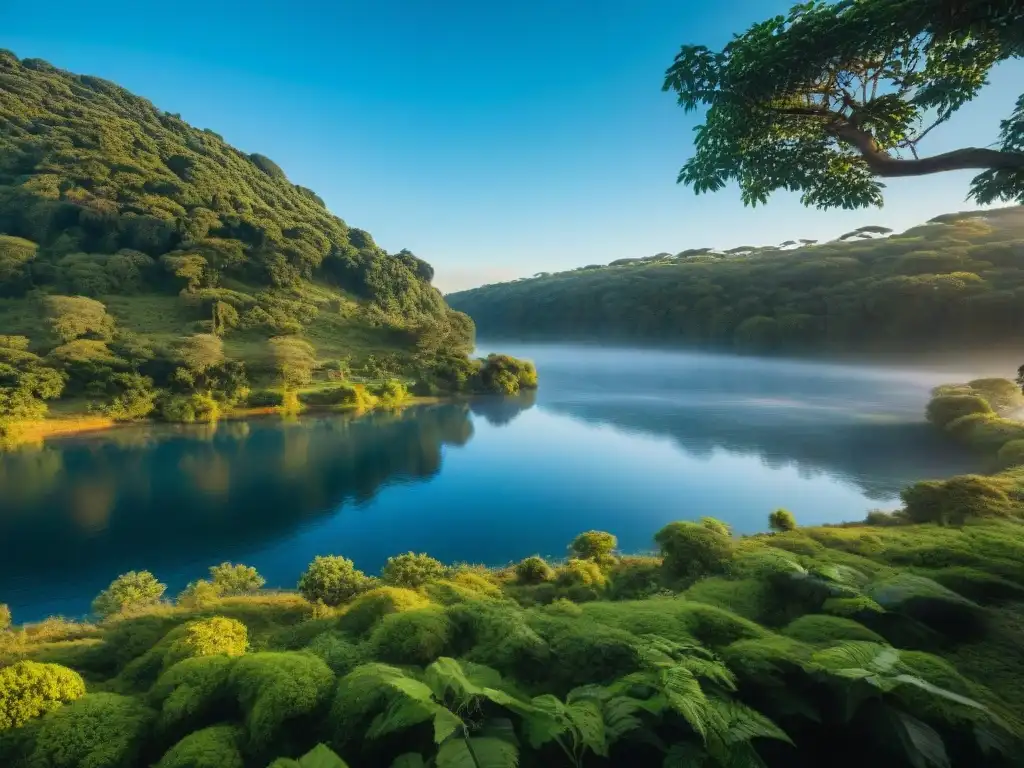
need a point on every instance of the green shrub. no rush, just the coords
(29, 689)
(5, 617)
(1001, 394)
(391, 393)
(411, 637)
(193, 691)
(412, 570)
(593, 545)
(851, 607)
(275, 688)
(199, 594)
(533, 570)
(583, 652)
(955, 501)
(332, 579)
(943, 409)
(214, 747)
(505, 375)
(265, 398)
(782, 521)
(209, 637)
(582, 573)
(233, 580)
(716, 525)
(131, 591)
(1012, 453)
(189, 409)
(749, 598)
(818, 629)
(99, 730)
(498, 636)
(930, 603)
(974, 584)
(692, 551)
(337, 651)
(367, 609)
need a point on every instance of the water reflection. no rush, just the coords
(147, 496)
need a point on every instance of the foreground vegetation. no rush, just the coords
(150, 270)
(891, 645)
(951, 284)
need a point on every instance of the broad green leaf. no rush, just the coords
(482, 752)
(921, 744)
(321, 757)
(586, 718)
(445, 724)
(684, 695)
(402, 713)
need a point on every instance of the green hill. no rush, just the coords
(954, 283)
(142, 259)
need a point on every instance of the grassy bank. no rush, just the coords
(805, 647)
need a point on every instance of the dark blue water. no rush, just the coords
(623, 441)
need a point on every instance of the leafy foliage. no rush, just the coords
(129, 591)
(593, 545)
(782, 520)
(692, 550)
(100, 730)
(332, 579)
(29, 689)
(411, 570)
(230, 579)
(214, 747)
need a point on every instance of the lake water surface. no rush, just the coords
(618, 440)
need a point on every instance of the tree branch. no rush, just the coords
(882, 164)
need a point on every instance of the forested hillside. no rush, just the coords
(956, 282)
(147, 264)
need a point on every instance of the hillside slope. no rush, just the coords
(954, 283)
(137, 252)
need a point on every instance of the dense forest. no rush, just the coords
(956, 282)
(146, 266)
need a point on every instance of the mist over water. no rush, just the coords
(622, 440)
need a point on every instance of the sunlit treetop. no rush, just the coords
(837, 96)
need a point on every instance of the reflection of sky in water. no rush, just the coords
(619, 440)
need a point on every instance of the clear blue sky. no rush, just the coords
(493, 139)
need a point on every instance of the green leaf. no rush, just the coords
(445, 724)
(921, 744)
(684, 695)
(321, 756)
(586, 718)
(547, 721)
(402, 713)
(481, 752)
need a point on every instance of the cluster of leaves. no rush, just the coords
(954, 283)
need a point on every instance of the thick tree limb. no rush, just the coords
(883, 164)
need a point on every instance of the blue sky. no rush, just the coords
(493, 139)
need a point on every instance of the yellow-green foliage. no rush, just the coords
(333, 579)
(411, 570)
(198, 594)
(29, 689)
(365, 611)
(957, 500)
(99, 730)
(534, 570)
(851, 607)
(411, 637)
(945, 409)
(1011, 454)
(749, 598)
(499, 636)
(818, 629)
(209, 637)
(274, 688)
(235, 579)
(131, 591)
(1001, 394)
(5, 617)
(593, 545)
(189, 409)
(191, 690)
(582, 573)
(214, 747)
(691, 550)
(781, 521)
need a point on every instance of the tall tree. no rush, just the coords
(836, 96)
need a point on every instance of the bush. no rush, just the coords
(337, 651)
(817, 629)
(412, 570)
(411, 637)
(692, 551)
(215, 747)
(943, 409)
(505, 375)
(265, 398)
(716, 525)
(129, 592)
(1011, 454)
(1001, 394)
(391, 393)
(100, 730)
(332, 579)
(781, 521)
(192, 692)
(533, 570)
(593, 545)
(209, 637)
(189, 409)
(5, 617)
(274, 688)
(581, 573)
(851, 607)
(955, 501)
(198, 594)
(370, 607)
(29, 689)
(233, 580)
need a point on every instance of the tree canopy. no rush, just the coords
(836, 96)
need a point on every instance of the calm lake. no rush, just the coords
(618, 440)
